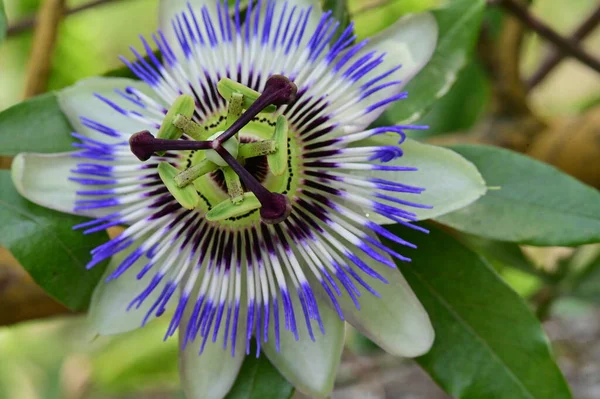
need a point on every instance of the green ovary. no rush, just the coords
(213, 192)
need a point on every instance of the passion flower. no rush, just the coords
(251, 188)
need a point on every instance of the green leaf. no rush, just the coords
(339, 9)
(122, 72)
(508, 253)
(488, 343)
(587, 284)
(125, 72)
(35, 125)
(45, 244)
(528, 202)
(459, 24)
(461, 108)
(258, 379)
(140, 358)
(508, 260)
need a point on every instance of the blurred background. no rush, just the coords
(46, 353)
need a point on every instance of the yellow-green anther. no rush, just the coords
(188, 176)
(234, 185)
(183, 105)
(227, 209)
(257, 148)
(278, 160)
(234, 109)
(191, 128)
(188, 196)
(227, 87)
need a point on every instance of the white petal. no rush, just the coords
(79, 101)
(397, 321)
(409, 42)
(108, 312)
(211, 374)
(310, 366)
(44, 180)
(450, 181)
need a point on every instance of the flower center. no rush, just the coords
(224, 151)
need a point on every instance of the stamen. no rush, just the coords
(183, 105)
(190, 174)
(257, 149)
(278, 160)
(234, 185)
(223, 147)
(279, 90)
(228, 88)
(143, 144)
(234, 109)
(186, 196)
(227, 209)
(191, 128)
(275, 207)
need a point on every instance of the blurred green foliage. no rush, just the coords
(88, 42)
(2, 21)
(37, 356)
(461, 108)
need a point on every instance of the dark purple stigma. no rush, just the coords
(143, 145)
(279, 90)
(277, 208)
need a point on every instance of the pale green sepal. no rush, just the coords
(186, 196)
(450, 181)
(227, 88)
(80, 100)
(108, 314)
(257, 149)
(310, 366)
(188, 176)
(278, 160)
(396, 321)
(227, 209)
(44, 180)
(210, 375)
(410, 42)
(183, 105)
